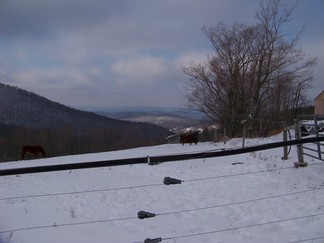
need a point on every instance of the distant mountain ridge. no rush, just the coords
(23, 108)
(28, 118)
(156, 110)
(168, 120)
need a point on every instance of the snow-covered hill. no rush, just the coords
(259, 199)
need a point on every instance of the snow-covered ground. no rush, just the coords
(260, 199)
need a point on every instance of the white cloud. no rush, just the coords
(191, 58)
(140, 68)
(55, 78)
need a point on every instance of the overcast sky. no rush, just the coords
(126, 52)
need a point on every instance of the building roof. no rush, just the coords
(321, 94)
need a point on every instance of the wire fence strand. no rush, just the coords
(240, 227)
(162, 214)
(145, 186)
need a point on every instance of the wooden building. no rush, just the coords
(319, 104)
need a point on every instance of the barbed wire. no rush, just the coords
(239, 227)
(148, 185)
(161, 214)
(80, 192)
(67, 224)
(309, 239)
(241, 202)
(249, 173)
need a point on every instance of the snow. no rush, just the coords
(260, 199)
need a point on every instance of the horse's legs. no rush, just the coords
(22, 156)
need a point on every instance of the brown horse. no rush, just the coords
(189, 138)
(35, 150)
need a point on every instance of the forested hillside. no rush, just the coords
(27, 118)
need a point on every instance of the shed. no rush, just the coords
(319, 104)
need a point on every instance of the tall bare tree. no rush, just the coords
(240, 79)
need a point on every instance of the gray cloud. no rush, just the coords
(34, 18)
(122, 52)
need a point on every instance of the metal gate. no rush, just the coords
(312, 125)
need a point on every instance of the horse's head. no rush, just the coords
(40, 149)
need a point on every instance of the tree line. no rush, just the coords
(69, 140)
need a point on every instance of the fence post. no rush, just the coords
(225, 137)
(300, 155)
(317, 135)
(244, 134)
(215, 136)
(285, 137)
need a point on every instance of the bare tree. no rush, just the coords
(240, 79)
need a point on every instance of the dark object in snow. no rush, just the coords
(148, 240)
(168, 181)
(237, 163)
(297, 164)
(144, 215)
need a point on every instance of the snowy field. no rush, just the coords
(254, 197)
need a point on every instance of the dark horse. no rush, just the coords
(189, 138)
(35, 150)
